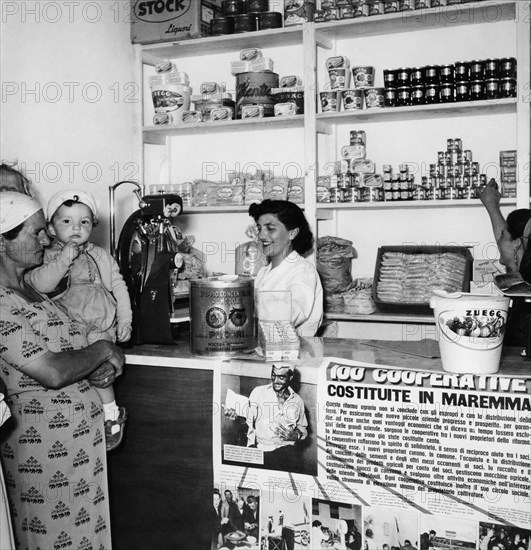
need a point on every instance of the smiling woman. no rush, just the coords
(285, 236)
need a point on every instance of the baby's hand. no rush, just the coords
(123, 332)
(70, 252)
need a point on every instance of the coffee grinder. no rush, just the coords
(148, 255)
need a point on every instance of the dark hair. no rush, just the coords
(26, 184)
(291, 216)
(517, 220)
(13, 233)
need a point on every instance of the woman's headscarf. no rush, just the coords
(15, 208)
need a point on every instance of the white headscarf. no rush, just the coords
(15, 208)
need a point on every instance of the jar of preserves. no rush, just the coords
(462, 91)
(417, 95)
(431, 74)
(477, 90)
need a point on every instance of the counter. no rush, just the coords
(161, 477)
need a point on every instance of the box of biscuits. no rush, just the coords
(405, 276)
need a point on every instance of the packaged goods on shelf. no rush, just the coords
(484, 271)
(254, 88)
(251, 54)
(171, 94)
(190, 117)
(161, 21)
(208, 101)
(279, 340)
(285, 109)
(297, 12)
(293, 94)
(252, 111)
(254, 189)
(508, 173)
(358, 298)
(276, 188)
(290, 81)
(222, 114)
(296, 190)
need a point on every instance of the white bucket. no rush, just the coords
(471, 329)
(170, 93)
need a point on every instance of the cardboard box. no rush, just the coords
(418, 308)
(169, 20)
(484, 271)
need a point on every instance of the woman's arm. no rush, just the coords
(490, 197)
(101, 362)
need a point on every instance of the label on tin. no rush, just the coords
(162, 119)
(353, 151)
(290, 81)
(209, 88)
(164, 67)
(252, 111)
(188, 117)
(167, 100)
(337, 62)
(285, 109)
(250, 54)
(223, 113)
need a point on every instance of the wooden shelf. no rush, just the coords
(286, 36)
(447, 16)
(418, 112)
(157, 134)
(378, 317)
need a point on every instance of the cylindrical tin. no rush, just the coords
(257, 6)
(492, 68)
(422, 4)
(232, 7)
(346, 13)
(352, 99)
(477, 69)
(222, 316)
(331, 14)
(438, 3)
(492, 88)
(462, 71)
(417, 76)
(389, 76)
(391, 6)
(376, 7)
(477, 90)
(447, 92)
(221, 25)
(363, 77)
(431, 74)
(403, 76)
(244, 23)
(508, 67)
(431, 94)
(462, 91)
(361, 8)
(508, 87)
(357, 137)
(374, 97)
(446, 74)
(330, 101)
(406, 5)
(417, 95)
(390, 97)
(403, 96)
(269, 20)
(254, 88)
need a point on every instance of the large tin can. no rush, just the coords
(222, 316)
(254, 88)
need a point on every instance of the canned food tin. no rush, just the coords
(257, 6)
(190, 117)
(390, 78)
(336, 194)
(462, 71)
(508, 87)
(447, 92)
(462, 91)
(347, 12)
(403, 96)
(438, 3)
(162, 119)
(344, 181)
(434, 169)
(357, 137)
(390, 97)
(419, 193)
(232, 7)
(492, 68)
(508, 67)
(363, 77)
(252, 111)
(406, 5)
(417, 76)
(467, 155)
(431, 95)
(391, 6)
(222, 114)
(376, 7)
(477, 69)
(417, 95)
(349, 195)
(482, 180)
(244, 23)
(221, 25)
(492, 88)
(431, 74)
(331, 14)
(447, 74)
(319, 17)
(403, 76)
(361, 9)
(352, 99)
(422, 4)
(269, 20)
(477, 90)
(375, 98)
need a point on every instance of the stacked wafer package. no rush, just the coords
(410, 277)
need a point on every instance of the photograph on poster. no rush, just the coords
(336, 525)
(269, 422)
(237, 518)
(285, 522)
(494, 536)
(390, 529)
(439, 533)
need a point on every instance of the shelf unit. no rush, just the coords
(314, 39)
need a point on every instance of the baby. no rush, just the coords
(85, 279)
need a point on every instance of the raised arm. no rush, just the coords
(490, 197)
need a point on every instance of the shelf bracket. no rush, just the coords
(150, 59)
(324, 213)
(323, 128)
(323, 41)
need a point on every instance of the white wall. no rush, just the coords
(69, 97)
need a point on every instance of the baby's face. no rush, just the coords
(72, 224)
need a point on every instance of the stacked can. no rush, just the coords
(399, 187)
(239, 16)
(460, 81)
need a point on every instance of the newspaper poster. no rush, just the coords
(383, 458)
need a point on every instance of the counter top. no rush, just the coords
(312, 352)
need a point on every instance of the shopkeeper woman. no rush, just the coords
(285, 236)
